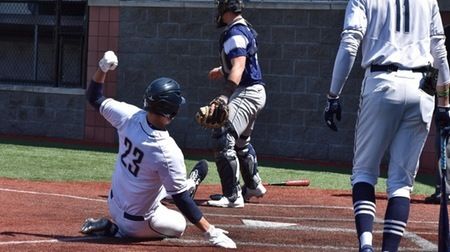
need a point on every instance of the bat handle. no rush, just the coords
(443, 158)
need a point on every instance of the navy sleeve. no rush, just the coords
(187, 207)
(94, 94)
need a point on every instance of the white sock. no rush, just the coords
(366, 239)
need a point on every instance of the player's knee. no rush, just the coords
(243, 142)
(245, 151)
(168, 223)
(361, 176)
(224, 138)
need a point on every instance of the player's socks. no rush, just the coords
(395, 219)
(364, 209)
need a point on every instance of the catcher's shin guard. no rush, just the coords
(197, 175)
(248, 165)
(227, 167)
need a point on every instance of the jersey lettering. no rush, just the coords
(406, 15)
(138, 156)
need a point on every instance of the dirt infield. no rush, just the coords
(46, 216)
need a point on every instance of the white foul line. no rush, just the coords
(73, 239)
(51, 194)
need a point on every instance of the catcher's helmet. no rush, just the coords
(163, 97)
(235, 6)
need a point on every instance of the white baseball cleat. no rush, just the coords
(258, 192)
(225, 202)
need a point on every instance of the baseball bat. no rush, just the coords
(300, 182)
(443, 233)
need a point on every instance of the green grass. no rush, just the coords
(59, 162)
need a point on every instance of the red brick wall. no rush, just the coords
(103, 36)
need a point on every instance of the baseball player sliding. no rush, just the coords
(399, 39)
(149, 166)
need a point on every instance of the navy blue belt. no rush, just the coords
(395, 68)
(129, 216)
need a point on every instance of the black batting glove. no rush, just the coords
(333, 108)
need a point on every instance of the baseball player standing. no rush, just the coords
(245, 95)
(400, 38)
(149, 166)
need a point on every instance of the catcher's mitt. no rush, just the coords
(213, 118)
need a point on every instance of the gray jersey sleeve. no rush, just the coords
(438, 50)
(355, 25)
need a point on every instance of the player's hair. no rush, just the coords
(163, 97)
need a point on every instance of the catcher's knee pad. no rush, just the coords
(167, 222)
(248, 165)
(228, 169)
(224, 138)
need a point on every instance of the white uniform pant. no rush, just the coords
(394, 116)
(159, 222)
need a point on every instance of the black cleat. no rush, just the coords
(99, 227)
(434, 198)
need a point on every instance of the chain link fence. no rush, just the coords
(43, 43)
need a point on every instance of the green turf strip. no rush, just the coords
(59, 162)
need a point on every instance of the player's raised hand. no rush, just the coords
(218, 237)
(108, 62)
(332, 109)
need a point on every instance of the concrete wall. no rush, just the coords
(50, 112)
(297, 49)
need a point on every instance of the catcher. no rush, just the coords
(232, 115)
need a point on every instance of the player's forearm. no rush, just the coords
(99, 76)
(94, 93)
(187, 207)
(442, 92)
(235, 76)
(238, 68)
(439, 53)
(202, 224)
(344, 61)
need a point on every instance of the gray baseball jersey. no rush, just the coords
(419, 38)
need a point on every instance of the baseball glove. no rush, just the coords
(212, 118)
(429, 83)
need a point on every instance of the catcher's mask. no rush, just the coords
(224, 6)
(163, 97)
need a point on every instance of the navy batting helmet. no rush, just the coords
(235, 6)
(163, 97)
